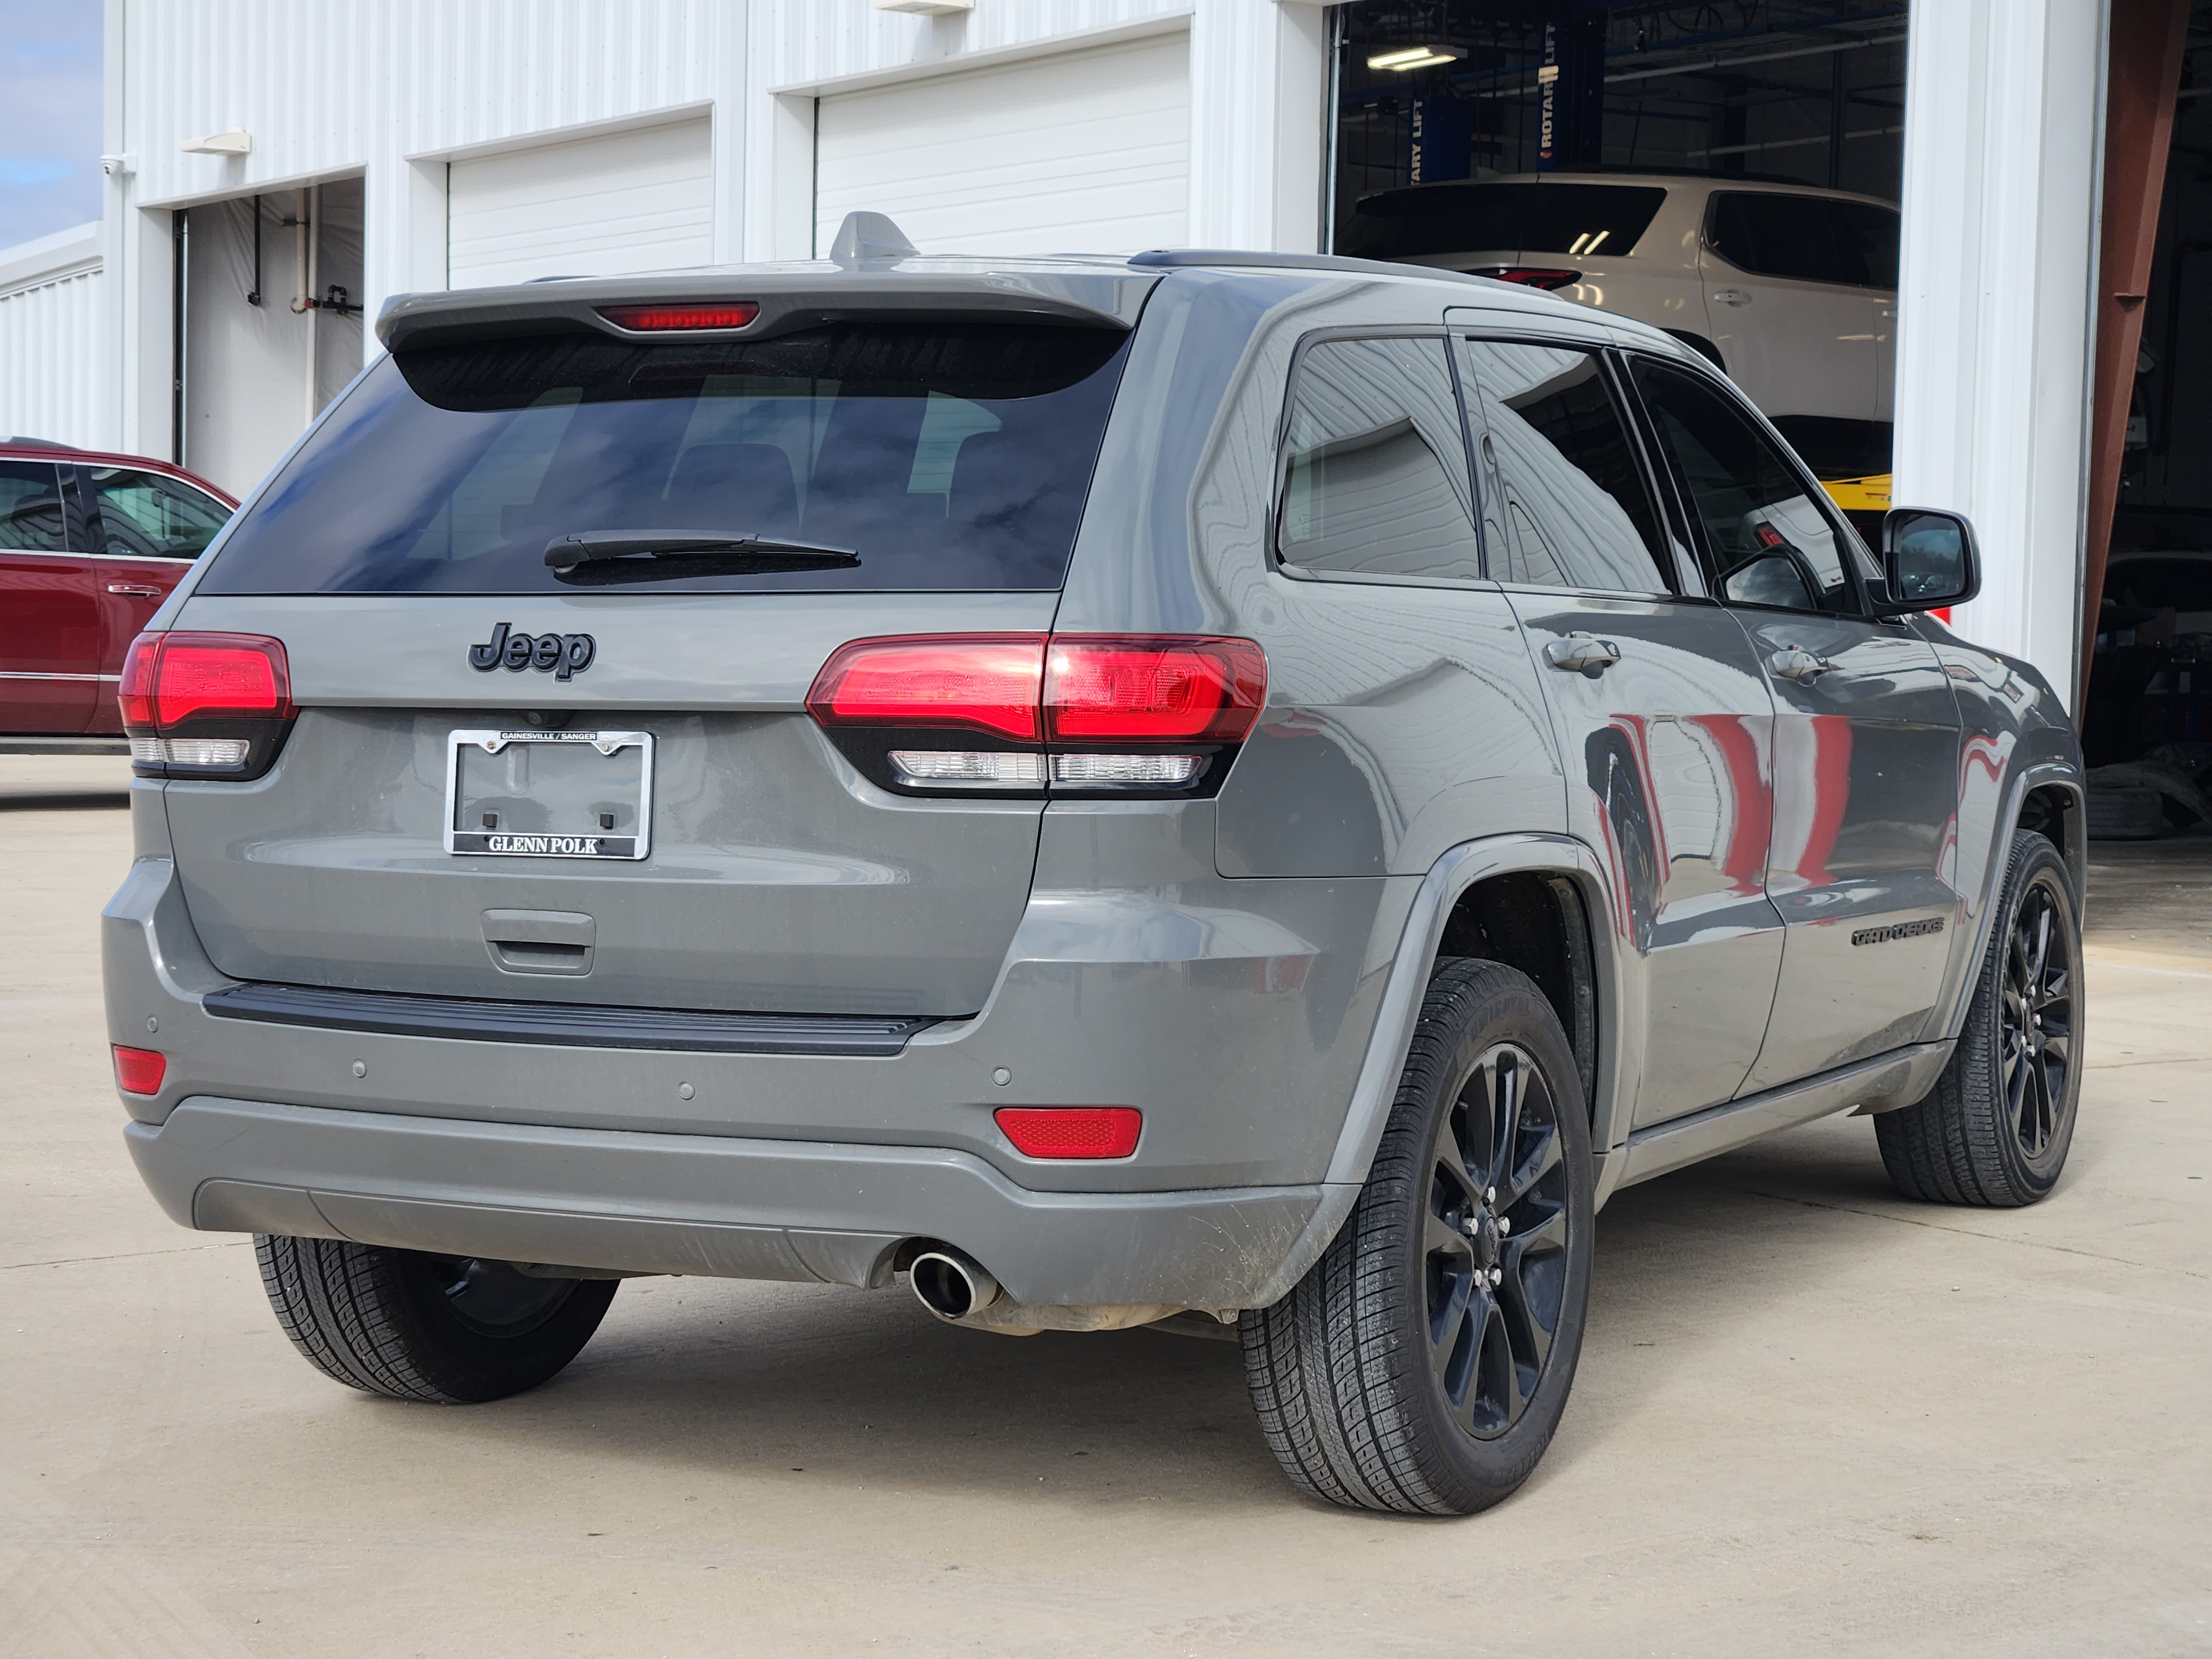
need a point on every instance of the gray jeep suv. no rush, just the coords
(1241, 791)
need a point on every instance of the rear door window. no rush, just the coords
(944, 455)
(1578, 511)
(1581, 220)
(147, 515)
(1806, 238)
(1375, 481)
(31, 507)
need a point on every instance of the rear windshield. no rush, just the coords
(1580, 220)
(944, 455)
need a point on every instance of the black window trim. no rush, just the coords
(1855, 555)
(1276, 562)
(1603, 349)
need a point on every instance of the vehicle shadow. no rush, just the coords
(857, 1388)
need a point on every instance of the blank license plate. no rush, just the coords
(549, 794)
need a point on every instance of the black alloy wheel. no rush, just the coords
(1424, 1362)
(491, 1298)
(2037, 1017)
(1497, 1240)
(1996, 1127)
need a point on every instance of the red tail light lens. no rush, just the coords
(650, 319)
(205, 705)
(138, 1071)
(971, 682)
(1541, 276)
(207, 676)
(1105, 687)
(1052, 708)
(1072, 1131)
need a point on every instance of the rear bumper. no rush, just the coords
(711, 1205)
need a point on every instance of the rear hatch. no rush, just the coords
(551, 590)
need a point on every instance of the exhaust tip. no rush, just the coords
(952, 1285)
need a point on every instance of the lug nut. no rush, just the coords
(1490, 1195)
(1504, 1226)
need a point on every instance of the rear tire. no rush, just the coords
(1995, 1128)
(1424, 1362)
(442, 1329)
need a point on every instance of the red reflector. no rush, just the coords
(1105, 688)
(139, 1071)
(982, 681)
(647, 319)
(1071, 1131)
(135, 693)
(1531, 275)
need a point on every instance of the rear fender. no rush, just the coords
(1377, 1088)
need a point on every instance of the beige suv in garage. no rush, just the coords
(1790, 290)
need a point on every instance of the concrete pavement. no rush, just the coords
(1811, 1416)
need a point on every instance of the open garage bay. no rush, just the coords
(1811, 1417)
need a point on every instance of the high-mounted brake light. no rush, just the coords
(1541, 276)
(970, 682)
(205, 705)
(1050, 709)
(1072, 1131)
(647, 320)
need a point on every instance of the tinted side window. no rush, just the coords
(1574, 498)
(1766, 540)
(1875, 233)
(153, 517)
(31, 507)
(1805, 238)
(1377, 482)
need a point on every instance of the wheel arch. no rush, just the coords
(1486, 898)
(2047, 797)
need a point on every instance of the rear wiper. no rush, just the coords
(566, 553)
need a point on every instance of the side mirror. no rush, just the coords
(1928, 560)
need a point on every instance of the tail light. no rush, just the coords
(205, 705)
(1072, 1131)
(1541, 276)
(1082, 713)
(138, 1071)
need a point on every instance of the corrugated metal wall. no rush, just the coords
(330, 88)
(51, 358)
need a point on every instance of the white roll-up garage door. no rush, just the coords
(610, 206)
(1086, 152)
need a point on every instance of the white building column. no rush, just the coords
(2003, 129)
(1259, 83)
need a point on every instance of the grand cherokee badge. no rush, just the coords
(560, 654)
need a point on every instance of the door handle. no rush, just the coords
(132, 590)
(1731, 296)
(1792, 663)
(1579, 653)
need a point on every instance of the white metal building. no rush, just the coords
(409, 144)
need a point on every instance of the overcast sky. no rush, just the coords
(49, 117)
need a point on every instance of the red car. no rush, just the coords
(90, 545)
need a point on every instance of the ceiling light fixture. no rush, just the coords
(1413, 57)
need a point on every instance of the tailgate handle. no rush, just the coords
(540, 941)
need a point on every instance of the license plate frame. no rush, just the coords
(596, 845)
